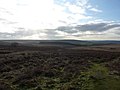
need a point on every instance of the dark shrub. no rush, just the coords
(4, 86)
(14, 44)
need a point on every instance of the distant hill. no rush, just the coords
(65, 42)
(77, 42)
(59, 42)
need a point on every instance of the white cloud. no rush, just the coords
(42, 14)
(40, 19)
(75, 9)
(95, 10)
(89, 31)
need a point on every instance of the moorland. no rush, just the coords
(59, 65)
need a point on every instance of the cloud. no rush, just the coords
(22, 33)
(74, 9)
(84, 31)
(44, 14)
(93, 27)
(88, 31)
(4, 21)
(1, 19)
(53, 19)
(95, 10)
(5, 11)
(97, 27)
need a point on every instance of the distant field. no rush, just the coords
(109, 47)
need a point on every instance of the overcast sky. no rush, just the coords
(60, 19)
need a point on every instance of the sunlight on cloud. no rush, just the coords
(95, 10)
(43, 18)
(41, 14)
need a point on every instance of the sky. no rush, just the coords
(60, 19)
